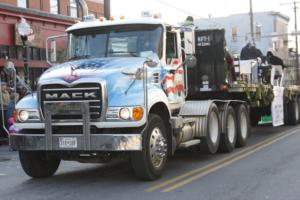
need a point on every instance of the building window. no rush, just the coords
(73, 8)
(234, 33)
(3, 51)
(54, 6)
(20, 53)
(23, 3)
(12, 52)
(258, 31)
(36, 54)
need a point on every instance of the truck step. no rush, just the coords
(189, 143)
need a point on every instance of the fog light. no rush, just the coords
(23, 115)
(137, 113)
(124, 113)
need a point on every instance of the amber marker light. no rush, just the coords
(15, 116)
(137, 113)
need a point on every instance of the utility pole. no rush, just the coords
(107, 9)
(296, 37)
(251, 23)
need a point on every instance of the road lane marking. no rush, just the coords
(202, 171)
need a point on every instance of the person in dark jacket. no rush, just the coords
(250, 52)
(274, 60)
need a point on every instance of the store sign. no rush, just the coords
(34, 37)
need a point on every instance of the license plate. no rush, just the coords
(67, 142)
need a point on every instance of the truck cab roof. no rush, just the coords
(98, 23)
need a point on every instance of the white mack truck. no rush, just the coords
(140, 88)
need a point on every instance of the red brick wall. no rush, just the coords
(95, 8)
(63, 7)
(44, 5)
(34, 4)
(9, 2)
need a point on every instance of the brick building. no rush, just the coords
(46, 18)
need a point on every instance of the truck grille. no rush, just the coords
(88, 92)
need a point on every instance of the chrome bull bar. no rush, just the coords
(54, 108)
(85, 141)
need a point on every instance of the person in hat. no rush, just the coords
(274, 60)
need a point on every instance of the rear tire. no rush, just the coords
(293, 112)
(38, 164)
(243, 127)
(229, 137)
(210, 143)
(149, 163)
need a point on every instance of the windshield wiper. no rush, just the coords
(132, 53)
(80, 57)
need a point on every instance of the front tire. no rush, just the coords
(149, 163)
(38, 164)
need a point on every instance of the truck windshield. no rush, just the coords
(116, 41)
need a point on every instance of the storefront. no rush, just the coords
(43, 25)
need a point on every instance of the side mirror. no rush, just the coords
(56, 49)
(53, 57)
(191, 61)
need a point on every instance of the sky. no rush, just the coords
(172, 10)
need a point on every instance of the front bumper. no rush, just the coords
(103, 142)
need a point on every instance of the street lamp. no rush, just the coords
(24, 31)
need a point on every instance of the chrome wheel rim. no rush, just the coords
(213, 127)
(231, 128)
(158, 147)
(244, 125)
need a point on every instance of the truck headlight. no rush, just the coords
(27, 115)
(23, 115)
(125, 113)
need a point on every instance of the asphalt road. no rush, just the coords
(267, 168)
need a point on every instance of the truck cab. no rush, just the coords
(122, 83)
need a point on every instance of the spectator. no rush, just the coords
(250, 52)
(14, 97)
(274, 60)
(5, 94)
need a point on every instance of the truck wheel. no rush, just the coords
(293, 112)
(243, 127)
(228, 139)
(210, 143)
(149, 163)
(38, 164)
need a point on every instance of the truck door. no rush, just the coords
(174, 78)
